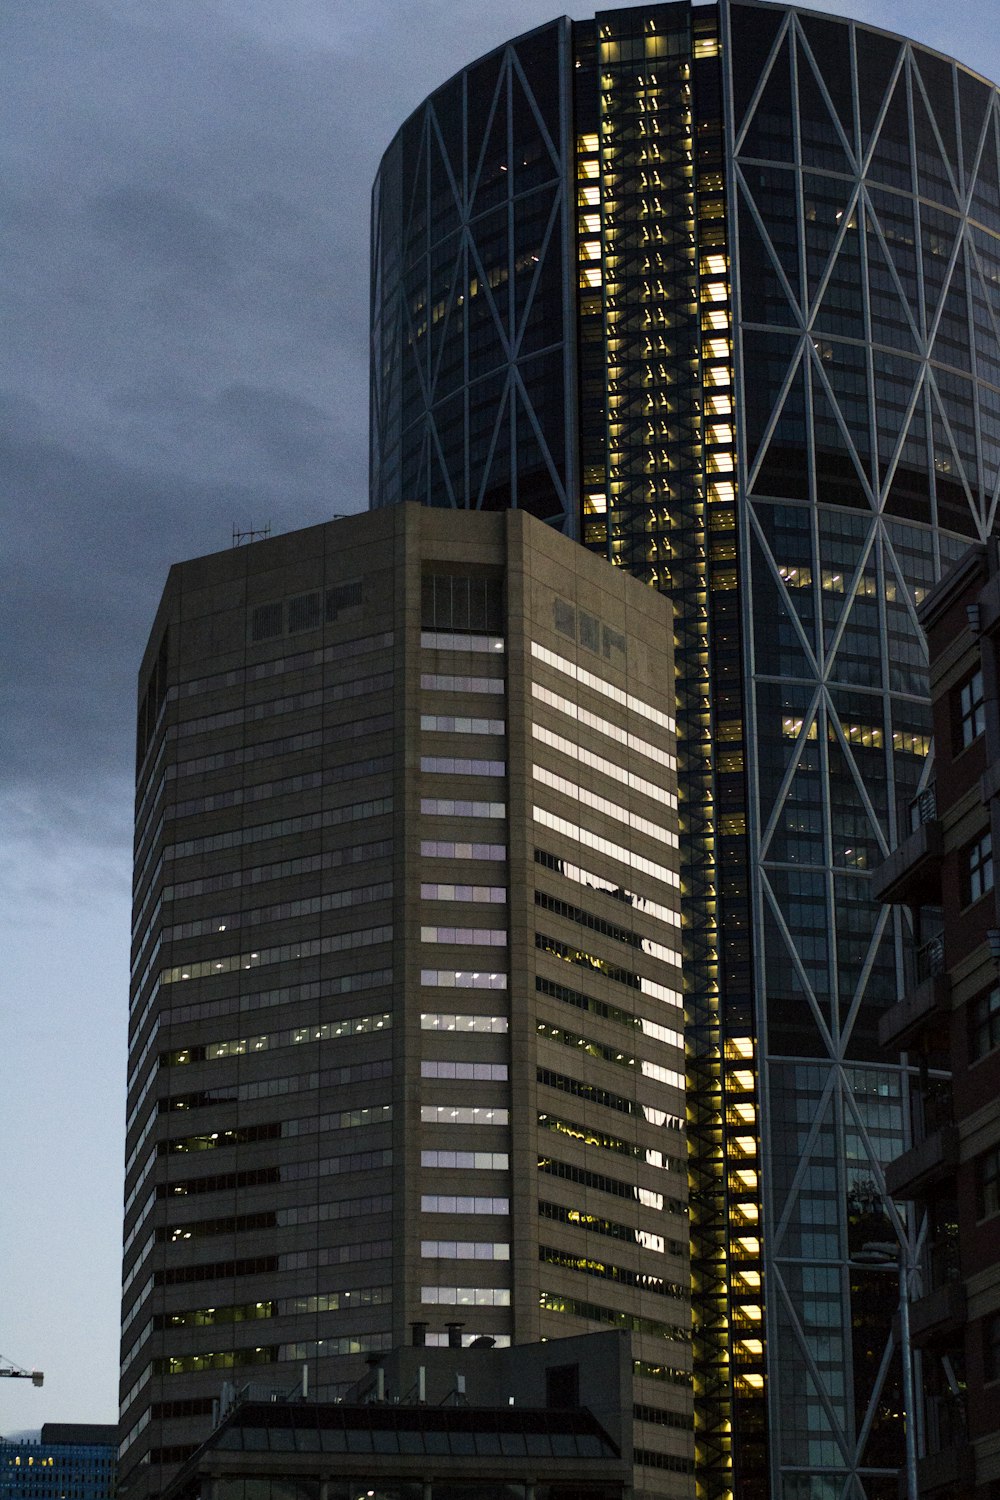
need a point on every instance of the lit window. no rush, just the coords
(978, 872)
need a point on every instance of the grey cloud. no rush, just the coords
(147, 222)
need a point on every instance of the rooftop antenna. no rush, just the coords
(252, 534)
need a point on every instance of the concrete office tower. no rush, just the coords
(717, 291)
(405, 1037)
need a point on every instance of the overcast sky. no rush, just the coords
(184, 190)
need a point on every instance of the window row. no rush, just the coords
(462, 979)
(450, 807)
(608, 886)
(604, 805)
(440, 1203)
(464, 1250)
(606, 767)
(479, 1161)
(627, 857)
(444, 849)
(307, 864)
(496, 894)
(462, 1114)
(282, 828)
(602, 686)
(309, 906)
(465, 1296)
(362, 937)
(447, 765)
(486, 1072)
(594, 923)
(656, 753)
(589, 1136)
(446, 1021)
(479, 937)
(341, 984)
(443, 682)
(448, 723)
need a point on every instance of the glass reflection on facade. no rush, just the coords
(717, 290)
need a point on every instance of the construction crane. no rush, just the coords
(16, 1373)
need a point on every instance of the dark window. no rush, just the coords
(590, 632)
(562, 1387)
(977, 874)
(565, 618)
(305, 612)
(988, 1183)
(345, 596)
(459, 602)
(991, 1347)
(266, 622)
(984, 1023)
(971, 710)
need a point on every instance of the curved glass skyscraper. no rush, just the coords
(716, 289)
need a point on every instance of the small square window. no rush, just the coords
(984, 1023)
(971, 710)
(977, 872)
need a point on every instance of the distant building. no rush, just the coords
(70, 1461)
(405, 1038)
(949, 1025)
(546, 1421)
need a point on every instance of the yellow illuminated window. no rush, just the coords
(751, 1346)
(745, 1145)
(587, 143)
(742, 1078)
(739, 1046)
(718, 375)
(721, 490)
(591, 223)
(749, 1278)
(746, 1383)
(595, 505)
(714, 291)
(588, 197)
(706, 46)
(590, 276)
(592, 249)
(744, 1111)
(720, 406)
(715, 317)
(720, 432)
(588, 169)
(750, 1243)
(713, 265)
(717, 348)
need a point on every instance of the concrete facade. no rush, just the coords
(405, 1028)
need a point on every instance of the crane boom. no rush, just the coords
(7, 1367)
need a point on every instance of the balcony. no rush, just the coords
(928, 1004)
(939, 1315)
(911, 876)
(920, 1168)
